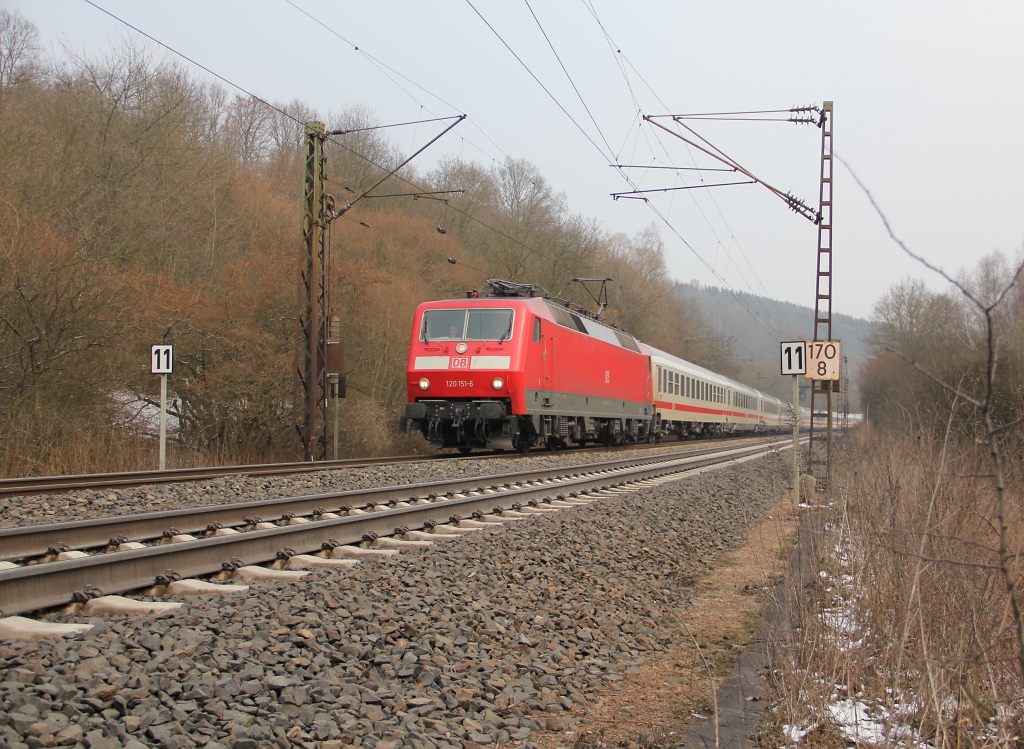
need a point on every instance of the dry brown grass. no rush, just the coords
(910, 612)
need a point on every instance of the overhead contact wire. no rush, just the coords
(383, 67)
(617, 54)
(294, 119)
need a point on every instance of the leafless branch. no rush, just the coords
(945, 386)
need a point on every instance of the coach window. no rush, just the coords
(677, 383)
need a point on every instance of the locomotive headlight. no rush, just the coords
(424, 383)
(461, 348)
(497, 383)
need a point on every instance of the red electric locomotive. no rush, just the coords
(510, 369)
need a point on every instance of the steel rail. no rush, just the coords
(72, 482)
(41, 586)
(30, 541)
(43, 484)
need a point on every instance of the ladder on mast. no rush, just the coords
(820, 443)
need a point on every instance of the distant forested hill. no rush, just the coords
(731, 317)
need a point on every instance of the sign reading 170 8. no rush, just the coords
(815, 360)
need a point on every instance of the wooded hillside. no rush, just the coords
(140, 205)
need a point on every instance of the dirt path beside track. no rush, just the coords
(654, 705)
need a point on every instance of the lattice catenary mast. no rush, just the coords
(820, 443)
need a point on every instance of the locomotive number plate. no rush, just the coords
(459, 383)
(460, 362)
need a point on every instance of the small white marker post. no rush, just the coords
(161, 362)
(794, 363)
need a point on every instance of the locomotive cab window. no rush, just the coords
(536, 330)
(467, 325)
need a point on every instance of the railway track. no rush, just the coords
(45, 484)
(136, 552)
(52, 484)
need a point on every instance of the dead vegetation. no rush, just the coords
(912, 632)
(139, 205)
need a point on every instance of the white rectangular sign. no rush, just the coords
(794, 357)
(823, 359)
(161, 359)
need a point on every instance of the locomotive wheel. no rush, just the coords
(556, 443)
(522, 445)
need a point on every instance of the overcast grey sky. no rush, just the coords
(928, 110)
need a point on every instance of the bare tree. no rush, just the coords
(19, 47)
(986, 296)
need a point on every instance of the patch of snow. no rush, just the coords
(143, 417)
(854, 721)
(795, 734)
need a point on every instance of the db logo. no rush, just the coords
(460, 362)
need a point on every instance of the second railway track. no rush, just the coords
(313, 523)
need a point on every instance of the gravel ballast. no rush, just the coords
(95, 503)
(477, 640)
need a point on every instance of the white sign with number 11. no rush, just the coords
(794, 357)
(161, 360)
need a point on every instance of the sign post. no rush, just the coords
(161, 362)
(794, 363)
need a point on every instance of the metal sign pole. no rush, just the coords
(161, 362)
(794, 362)
(163, 422)
(796, 441)
(335, 421)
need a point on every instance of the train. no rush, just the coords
(510, 368)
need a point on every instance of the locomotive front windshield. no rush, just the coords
(466, 325)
